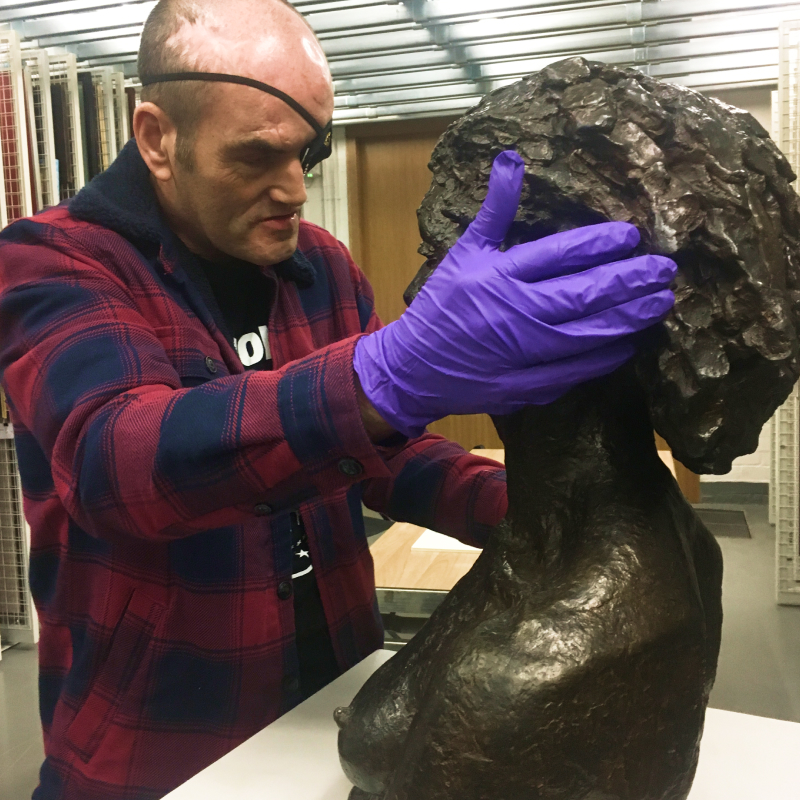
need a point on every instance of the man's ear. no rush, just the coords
(155, 135)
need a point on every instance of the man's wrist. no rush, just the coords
(377, 428)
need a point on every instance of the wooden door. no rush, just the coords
(687, 480)
(387, 178)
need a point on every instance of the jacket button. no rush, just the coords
(211, 365)
(263, 510)
(285, 590)
(350, 467)
(290, 684)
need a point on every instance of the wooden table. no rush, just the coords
(413, 582)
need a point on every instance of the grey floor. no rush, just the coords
(759, 665)
(759, 668)
(21, 751)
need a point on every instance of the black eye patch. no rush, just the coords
(320, 147)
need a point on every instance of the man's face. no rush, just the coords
(242, 195)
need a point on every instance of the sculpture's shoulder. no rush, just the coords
(636, 584)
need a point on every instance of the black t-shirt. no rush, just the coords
(244, 297)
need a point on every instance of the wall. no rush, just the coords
(753, 468)
(756, 100)
(327, 204)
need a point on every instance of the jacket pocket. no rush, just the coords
(196, 360)
(126, 653)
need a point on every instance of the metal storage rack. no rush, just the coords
(774, 444)
(67, 128)
(99, 113)
(36, 74)
(16, 200)
(787, 435)
(133, 94)
(134, 90)
(18, 621)
(120, 109)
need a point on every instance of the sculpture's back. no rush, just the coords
(575, 660)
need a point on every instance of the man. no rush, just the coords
(202, 397)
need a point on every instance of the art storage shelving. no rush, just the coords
(43, 130)
(120, 109)
(39, 108)
(67, 126)
(18, 621)
(99, 115)
(16, 200)
(786, 469)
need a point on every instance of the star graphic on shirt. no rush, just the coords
(302, 554)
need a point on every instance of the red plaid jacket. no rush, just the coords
(159, 477)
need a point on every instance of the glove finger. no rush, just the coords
(571, 251)
(545, 383)
(590, 333)
(501, 204)
(572, 297)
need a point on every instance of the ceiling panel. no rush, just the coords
(415, 57)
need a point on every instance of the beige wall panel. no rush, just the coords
(757, 100)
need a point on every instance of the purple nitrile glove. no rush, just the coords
(492, 332)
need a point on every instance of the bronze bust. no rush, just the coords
(575, 660)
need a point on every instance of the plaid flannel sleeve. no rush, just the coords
(133, 453)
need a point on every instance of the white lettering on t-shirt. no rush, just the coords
(251, 349)
(262, 329)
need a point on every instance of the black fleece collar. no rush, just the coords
(122, 200)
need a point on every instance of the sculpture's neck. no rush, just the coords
(589, 456)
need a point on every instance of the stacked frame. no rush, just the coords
(787, 435)
(67, 127)
(773, 423)
(18, 622)
(36, 74)
(98, 112)
(16, 199)
(120, 109)
(133, 94)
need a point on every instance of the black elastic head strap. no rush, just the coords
(318, 150)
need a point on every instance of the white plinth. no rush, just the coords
(742, 757)
(431, 540)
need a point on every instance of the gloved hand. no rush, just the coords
(492, 332)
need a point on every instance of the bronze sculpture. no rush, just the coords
(575, 660)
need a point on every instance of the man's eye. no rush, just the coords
(254, 160)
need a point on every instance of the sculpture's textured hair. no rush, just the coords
(160, 54)
(704, 184)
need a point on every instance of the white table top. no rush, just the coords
(742, 757)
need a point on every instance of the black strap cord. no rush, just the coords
(317, 151)
(218, 77)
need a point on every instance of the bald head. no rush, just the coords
(226, 159)
(267, 40)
